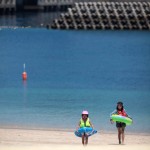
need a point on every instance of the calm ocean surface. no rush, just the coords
(69, 71)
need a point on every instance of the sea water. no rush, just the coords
(72, 71)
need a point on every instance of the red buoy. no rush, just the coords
(24, 75)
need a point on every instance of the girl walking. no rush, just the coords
(120, 125)
(84, 122)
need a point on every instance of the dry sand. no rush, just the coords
(29, 139)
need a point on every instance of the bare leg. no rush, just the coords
(83, 139)
(123, 135)
(119, 135)
(86, 139)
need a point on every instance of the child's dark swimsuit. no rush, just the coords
(120, 125)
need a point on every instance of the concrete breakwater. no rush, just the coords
(7, 5)
(105, 15)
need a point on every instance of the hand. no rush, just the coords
(77, 128)
(111, 121)
(129, 117)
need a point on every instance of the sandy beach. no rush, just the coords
(33, 139)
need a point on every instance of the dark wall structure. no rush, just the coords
(30, 2)
(19, 4)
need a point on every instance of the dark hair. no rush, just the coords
(120, 103)
(85, 114)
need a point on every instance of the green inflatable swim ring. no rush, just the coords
(118, 118)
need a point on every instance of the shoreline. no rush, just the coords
(24, 137)
(71, 130)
